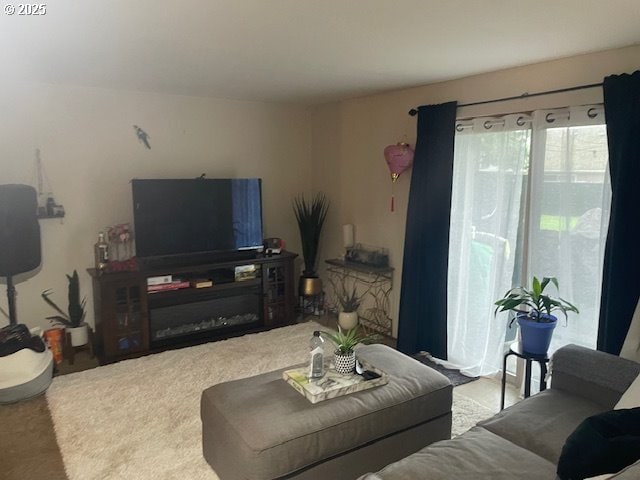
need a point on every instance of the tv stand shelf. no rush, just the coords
(130, 321)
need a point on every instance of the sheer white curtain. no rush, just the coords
(568, 221)
(491, 158)
(531, 196)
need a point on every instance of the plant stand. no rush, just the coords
(516, 349)
(311, 304)
(69, 351)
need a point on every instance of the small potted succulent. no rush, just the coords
(73, 318)
(344, 356)
(536, 321)
(349, 302)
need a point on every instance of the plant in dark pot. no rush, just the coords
(310, 217)
(73, 318)
(536, 321)
(344, 356)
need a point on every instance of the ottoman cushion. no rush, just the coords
(261, 428)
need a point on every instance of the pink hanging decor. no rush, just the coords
(399, 158)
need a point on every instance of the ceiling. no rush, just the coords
(302, 51)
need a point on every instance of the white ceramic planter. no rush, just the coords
(79, 335)
(348, 320)
(345, 363)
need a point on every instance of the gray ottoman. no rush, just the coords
(260, 428)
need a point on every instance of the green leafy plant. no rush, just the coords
(310, 217)
(345, 340)
(349, 299)
(75, 311)
(534, 301)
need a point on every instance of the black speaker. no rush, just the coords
(19, 230)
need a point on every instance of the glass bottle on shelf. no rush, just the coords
(101, 252)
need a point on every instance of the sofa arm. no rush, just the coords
(598, 376)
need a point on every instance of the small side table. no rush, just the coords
(69, 352)
(516, 349)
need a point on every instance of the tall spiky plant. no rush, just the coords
(76, 309)
(310, 217)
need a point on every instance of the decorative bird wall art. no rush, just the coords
(142, 136)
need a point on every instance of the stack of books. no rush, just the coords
(164, 283)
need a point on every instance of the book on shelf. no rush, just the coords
(159, 280)
(163, 287)
(245, 272)
(201, 283)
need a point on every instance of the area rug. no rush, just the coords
(455, 377)
(466, 413)
(140, 419)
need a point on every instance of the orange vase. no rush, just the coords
(54, 339)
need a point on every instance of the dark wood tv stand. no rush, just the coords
(130, 321)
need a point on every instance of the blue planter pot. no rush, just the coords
(536, 336)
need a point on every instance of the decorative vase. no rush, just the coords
(536, 336)
(79, 335)
(345, 362)
(348, 320)
(310, 286)
(53, 336)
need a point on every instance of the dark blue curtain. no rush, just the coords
(621, 272)
(423, 299)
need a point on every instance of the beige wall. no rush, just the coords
(349, 137)
(90, 153)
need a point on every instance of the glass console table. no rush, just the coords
(373, 284)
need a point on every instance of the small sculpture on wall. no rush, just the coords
(142, 136)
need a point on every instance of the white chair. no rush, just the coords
(25, 374)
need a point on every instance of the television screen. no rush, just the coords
(184, 216)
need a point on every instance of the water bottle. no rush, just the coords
(316, 365)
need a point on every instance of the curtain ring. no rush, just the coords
(549, 118)
(520, 121)
(488, 124)
(592, 113)
(459, 127)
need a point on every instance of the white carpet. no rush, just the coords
(140, 419)
(466, 413)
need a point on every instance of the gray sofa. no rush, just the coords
(525, 440)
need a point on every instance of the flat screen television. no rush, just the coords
(181, 217)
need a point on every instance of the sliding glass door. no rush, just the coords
(570, 200)
(530, 197)
(490, 164)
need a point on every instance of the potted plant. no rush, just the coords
(536, 321)
(310, 217)
(350, 302)
(73, 318)
(344, 357)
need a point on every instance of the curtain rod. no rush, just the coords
(413, 112)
